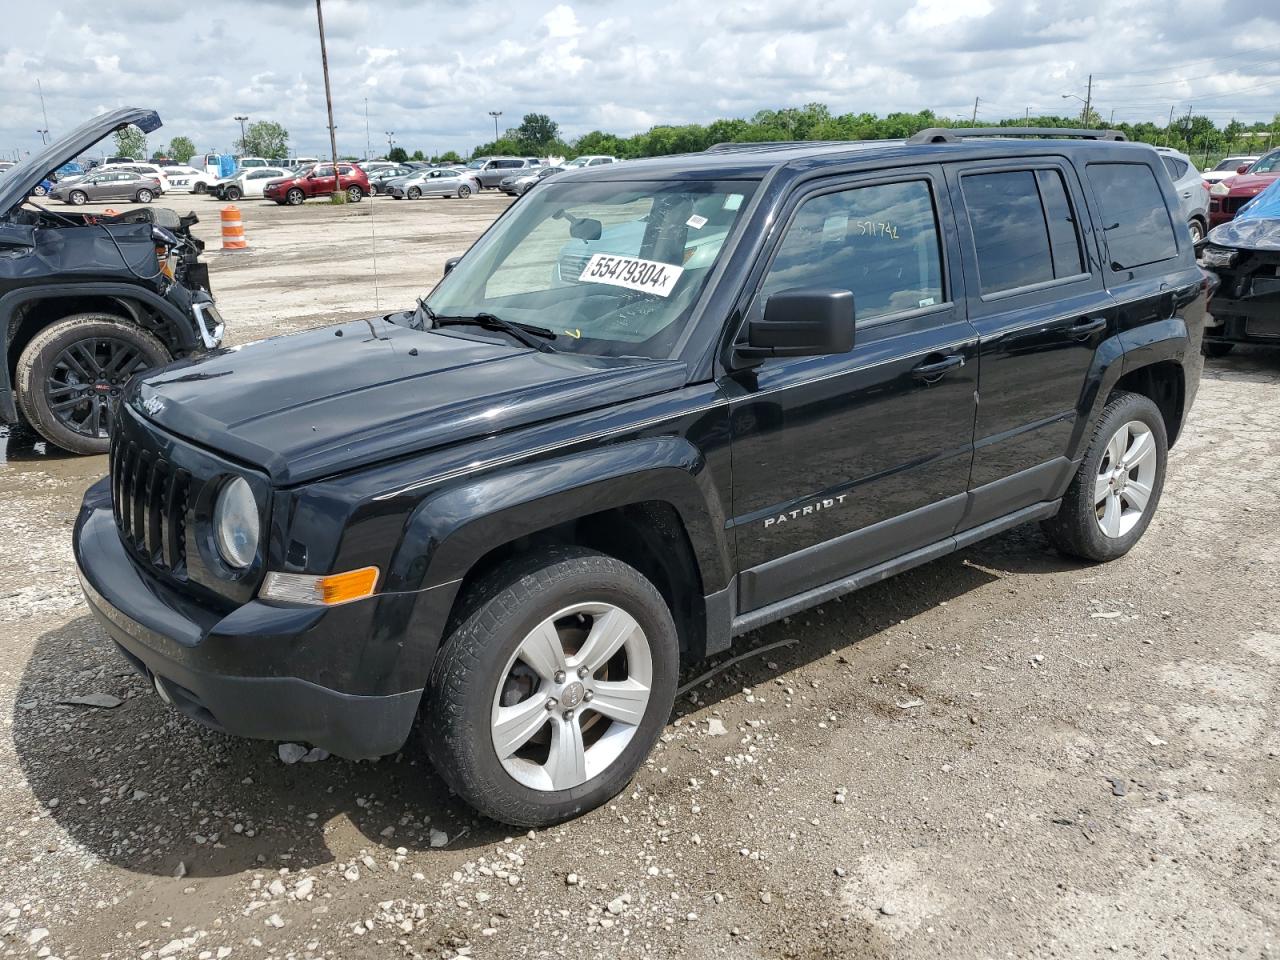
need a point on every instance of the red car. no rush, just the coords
(1227, 196)
(318, 180)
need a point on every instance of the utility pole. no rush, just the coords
(44, 134)
(1088, 101)
(244, 147)
(1027, 118)
(495, 114)
(368, 148)
(1169, 126)
(328, 102)
(974, 122)
(1112, 121)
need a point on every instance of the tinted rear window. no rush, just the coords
(1135, 221)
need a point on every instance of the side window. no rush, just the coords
(1177, 168)
(1023, 228)
(324, 170)
(1135, 221)
(879, 241)
(344, 169)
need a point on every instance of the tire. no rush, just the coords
(232, 194)
(77, 197)
(294, 197)
(143, 196)
(200, 188)
(1197, 230)
(478, 664)
(1216, 348)
(354, 194)
(414, 193)
(45, 378)
(1077, 529)
(464, 191)
(39, 190)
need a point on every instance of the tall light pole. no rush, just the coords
(391, 143)
(243, 147)
(44, 135)
(43, 112)
(328, 103)
(495, 114)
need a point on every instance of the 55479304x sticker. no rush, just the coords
(647, 276)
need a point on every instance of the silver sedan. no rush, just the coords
(437, 182)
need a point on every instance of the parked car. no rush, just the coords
(187, 179)
(42, 188)
(247, 183)
(149, 170)
(108, 183)
(437, 182)
(87, 301)
(504, 518)
(6, 166)
(489, 171)
(590, 160)
(1227, 168)
(379, 178)
(318, 180)
(1244, 253)
(1226, 197)
(1192, 193)
(521, 183)
(245, 163)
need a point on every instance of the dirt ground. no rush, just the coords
(1000, 754)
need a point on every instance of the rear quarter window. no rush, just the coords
(1135, 220)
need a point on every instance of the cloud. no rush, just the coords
(433, 72)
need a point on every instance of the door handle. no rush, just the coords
(933, 372)
(1087, 327)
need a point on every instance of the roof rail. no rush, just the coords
(744, 146)
(956, 134)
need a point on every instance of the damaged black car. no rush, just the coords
(87, 300)
(1245, 255)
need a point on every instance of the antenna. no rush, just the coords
(373, 246)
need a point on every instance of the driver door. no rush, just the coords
(323, 182)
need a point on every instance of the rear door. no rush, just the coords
(1040, 308)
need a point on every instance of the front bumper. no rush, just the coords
(187, 646)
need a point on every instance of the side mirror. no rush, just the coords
(802, 323)
(1243, 168)
(450, 264)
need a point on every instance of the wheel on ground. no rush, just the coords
(232, 194)
(552, 688)
(39, 190)
(464, 191)
(294, 197)
(77, 197)
(200, 188)
(354, 194)
(373, 189)
(1197, 230)
(71, 375)
(1216, 348)
(144, 196)
(414, 193)
(1117, 488)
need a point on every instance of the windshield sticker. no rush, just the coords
(696, 222)
(733, 201)
(647, 276)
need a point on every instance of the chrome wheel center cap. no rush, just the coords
(1118, 480)
(571, 696)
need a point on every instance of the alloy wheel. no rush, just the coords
(85, 382)
(572, 696)
(1126, 477)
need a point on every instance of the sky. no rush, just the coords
(431, 72)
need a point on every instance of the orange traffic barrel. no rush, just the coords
(232, 229)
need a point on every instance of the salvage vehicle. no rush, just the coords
(318, 180)
(1245, 255)
(246, 183)
(1226, 197)
(512, 511)
(89, 300)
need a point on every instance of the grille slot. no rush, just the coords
(150, 498)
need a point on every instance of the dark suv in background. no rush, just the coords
(656, 405)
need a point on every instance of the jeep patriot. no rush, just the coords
(656, 405)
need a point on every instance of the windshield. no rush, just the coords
(477, 164)
(612, 268)
(1268, 164)
(1232, 163)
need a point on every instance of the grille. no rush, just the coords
(1232, 204)
(150, 500)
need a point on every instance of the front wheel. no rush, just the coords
(39, 190)
(354, 194)
(71, 375)
(232, 194)
(553, 688)
(1116, 490)
(294, 197)
(1197, 230)
(414, 193)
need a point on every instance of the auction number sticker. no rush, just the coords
(647, 276)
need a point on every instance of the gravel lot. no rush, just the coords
(1000, 754)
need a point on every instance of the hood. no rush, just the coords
(21, 180)
(1256, 226)
(1244, 184)
(324, 401)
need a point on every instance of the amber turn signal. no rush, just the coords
(328, 590)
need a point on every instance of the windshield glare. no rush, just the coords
(613, 268)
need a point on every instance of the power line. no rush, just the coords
(1189, 63)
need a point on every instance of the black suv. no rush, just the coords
(89, 300)
(656, 405)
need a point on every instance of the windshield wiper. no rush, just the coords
(527, 333)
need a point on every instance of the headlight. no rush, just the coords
(235, 524)
(1220, 189)
(1212, 256)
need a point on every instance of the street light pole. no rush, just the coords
(43, 112)
(328, 102)
(243, 146)
(391, 143)
(495, 114)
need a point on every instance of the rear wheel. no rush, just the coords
(464, 191)
(77, 197)
(144, 196)
(39, 190)
(354, 194)
(294, 197)
(553, 687)
(232, 194)
(200, 188)
(71, 375)
(1116, 491)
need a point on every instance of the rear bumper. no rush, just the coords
(166, 636)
